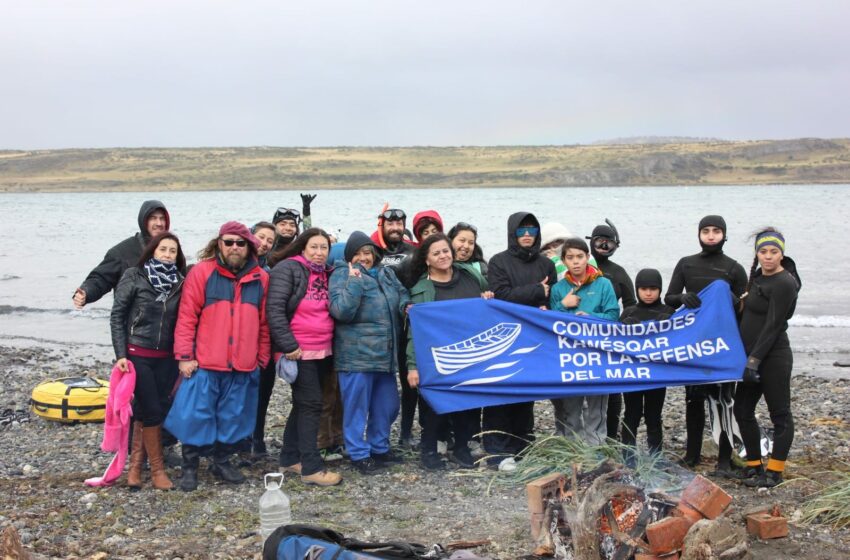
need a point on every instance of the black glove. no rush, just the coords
(751, 375)
(691, 300)
(306, 199)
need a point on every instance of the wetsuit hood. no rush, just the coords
(148, 208)
(716, 221)
(514, 221)
(606, 231)
(649, 278)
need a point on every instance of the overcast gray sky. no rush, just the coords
(400, 72)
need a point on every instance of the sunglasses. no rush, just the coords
(464, 225)
(394, 214)
(232, 242)
(527, 230)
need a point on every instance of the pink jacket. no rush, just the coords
(116, 427)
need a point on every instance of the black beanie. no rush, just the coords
(648, 278)
(716, 221)
(357, 240)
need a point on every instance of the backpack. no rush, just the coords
(311, 542)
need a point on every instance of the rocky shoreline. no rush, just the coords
(43, 465)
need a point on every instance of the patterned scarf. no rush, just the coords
(592, 274)
(162, 276)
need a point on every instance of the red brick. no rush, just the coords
(543, 489)
(685, 511)
(667, 535)
(766, 526)
(648, 556)
(706, 497)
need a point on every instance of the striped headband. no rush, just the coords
(770, 238)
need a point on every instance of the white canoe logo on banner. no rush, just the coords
(484, 346)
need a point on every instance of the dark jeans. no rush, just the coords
(775, 385)
(155, 379)
(409, 395)
(515, 422)
(462, 425)
(647, 405)
(267, 378)
(302, 426)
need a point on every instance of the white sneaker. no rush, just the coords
(507, 465)
(442, 447)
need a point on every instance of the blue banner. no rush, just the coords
(474, 352)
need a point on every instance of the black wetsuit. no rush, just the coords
(397, 257)
(764, 322)
(693, 273)
(515, 275)
(644, 404)
(625, 291)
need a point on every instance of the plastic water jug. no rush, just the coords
(274, 505)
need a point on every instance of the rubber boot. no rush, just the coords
(137, 458)
(221, 466)
(152, 437)
(191, 459)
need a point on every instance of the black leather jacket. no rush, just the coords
(138, 319)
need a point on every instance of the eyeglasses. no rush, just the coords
(232, 242)
(464, 225)
(527, 230)
(394, 214)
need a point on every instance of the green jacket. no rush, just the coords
(423, 291)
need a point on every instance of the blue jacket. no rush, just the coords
(368, 313)
(597, 298)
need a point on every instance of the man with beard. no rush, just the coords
(221, 340)
(153, 220)
(390, 238)
(603, 242)
(287, 222)
(521, 274)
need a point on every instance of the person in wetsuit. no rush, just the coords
(692, 274)
(645, 404)
(769, 303)
(604, 241)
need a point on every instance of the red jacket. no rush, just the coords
(222, 318)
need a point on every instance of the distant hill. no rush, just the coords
(655, 140)
(806, 160)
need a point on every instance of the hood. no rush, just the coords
(148, 208)
(421, 219)
(514, 220)
(552, 231)
(357, 240)
(717, 221)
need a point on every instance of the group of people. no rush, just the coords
(285, 299)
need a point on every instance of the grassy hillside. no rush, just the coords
(140, 169)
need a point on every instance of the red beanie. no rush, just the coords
(235, 228)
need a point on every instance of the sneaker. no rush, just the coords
(442, 447)
(727, 471)
(507, 465)
(331, 454)
(388, 457)
(432, 461)
(294, 469)
(463, 458)
(766, 479)
(322, 478)
(366, 466)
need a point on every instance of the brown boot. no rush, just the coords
(153, 445)
(137, 458)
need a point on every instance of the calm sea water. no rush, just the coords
(51, 241)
